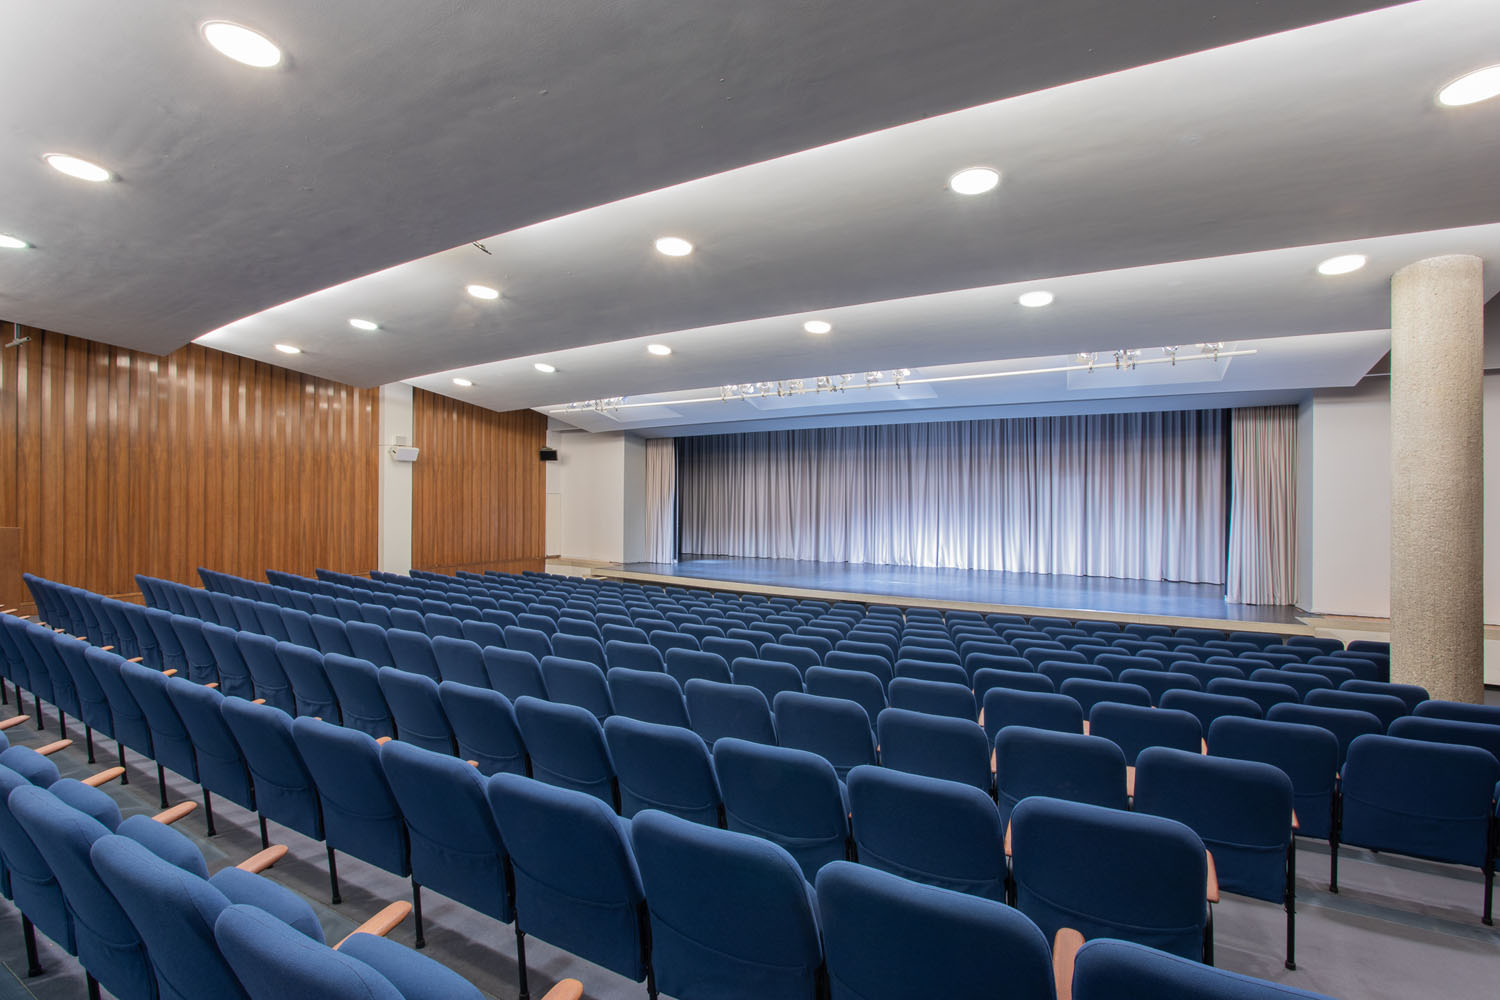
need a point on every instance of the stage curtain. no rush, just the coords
(1138, 495)
(1263, 509)
(661, 499)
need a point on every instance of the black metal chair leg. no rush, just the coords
(33, 967)
(93, 986)
(161, 783)
(208, 811)
(521, 961)
(41, 720)
(1291, 905)
(1208, 939)
(333, 877)
(88, 740)
(62, 724)
(124, 778)
(416, 907)
(265, 840)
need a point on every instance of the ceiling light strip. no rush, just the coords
(1058, 369)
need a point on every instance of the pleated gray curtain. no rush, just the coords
(661, 499)
(1138, 495)
(1263, 512)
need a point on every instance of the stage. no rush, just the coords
(1025, 593)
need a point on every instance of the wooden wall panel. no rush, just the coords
(114, 462)
(478, 488)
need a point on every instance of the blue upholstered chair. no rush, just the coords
(934, 746)
(577, 682)
(1430, 800)
(1158, 682)
(360, 814)
(769, 677)
(576, 882)
(1208, 707)
(1241, 809)
(284, 788)
(567, 748)
(417, 709)
(870, 659)
(731, 915)
(1133, 728)
(1345, 724)
(1119, 970)
(790, 797)
(368, 642)
(873, 922)
(311, 692)
(648, 695)
(734, 710)
(663, 767)
(222, 769)
(1031, 762)
(460, 660)
(1035, 709)
(685, 664)
(633, 655)
(456, 848)
(1089, 693)
(514, 673)
(28, 879)
(484, 728)
(833, 728)
(933, 697)
(1459, 711)
(171, 745)
(356, 685)
(269, 678)
(1107, 873)
(928, 830)
(1308, 755)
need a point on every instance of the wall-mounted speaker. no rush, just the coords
(401, 453)
(548, 454)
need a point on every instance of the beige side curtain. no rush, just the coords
(661, 499)
(1263, 508)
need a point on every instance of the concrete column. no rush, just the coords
(394, 551)
(1437, 477)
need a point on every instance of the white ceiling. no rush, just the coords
(1158, 193)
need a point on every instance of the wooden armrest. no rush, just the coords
(169, 816)
(14, 720)
(1213, 879)
(472, 763)
(1130, 780)
(568, 989)
(1085, 727)
(382, 740)
(52, 748)
(1295, 825)
(108, 649)
(58, 630)
(135, 659)
(1007, 839)
(261, 860)
(81, 638)
(104, 777)
(382, 923)
(212, 684)
(169, 673)
(1203, 746)
(258, 701)
(1064, 950)
(7, 611)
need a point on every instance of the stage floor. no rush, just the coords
(1029, 592)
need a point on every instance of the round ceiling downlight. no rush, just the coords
(242, 44)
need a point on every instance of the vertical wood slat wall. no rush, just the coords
(478, 488)
(115, 462)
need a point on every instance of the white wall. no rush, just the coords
(600, 507)
(394, 543)
(1344, 501)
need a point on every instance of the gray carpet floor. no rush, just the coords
(1399, 928)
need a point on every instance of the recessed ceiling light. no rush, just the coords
(482, 292)
(288, 349)
(660, 350)
(1480, 85)
(364, 324)
(674, 246)
(544, 368)
(974, 180)
(1036, 299)
(242, 44)
(1342, 264)
(74, 167)
(817, 326)
(10, 242)
(462, 383)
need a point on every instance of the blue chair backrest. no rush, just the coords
(1035, 709)
(577, 682)
(1158, 682)
(1133, 728)
(528, 640)
(1344, 724)
(876, 665)
(933, 697)
(1110, 969)
(266, 672)
(1411, 694)
(835, 729)
(456, 849)
(567, 748)
(1089, 693)
(460, 660)
(417, 710)
(514, 673)
(1264, 695)
(1307, 755)
(1300, 681)
(647, 695)
(28, 878)
(221, 765)
(864, 689)
(753, 934)
(869, 918)
(790, 797)
(734, 710)
(769, 677)
(1427, 799)
(576, 881)
(1032, 762)
(663, 767)
(360, 813)
(284, 788)
(171, 744)
(928, 830)
(485, 728)
(411, 651)
(311, 692)
(1241, 809)
(1110, 873)
(633, 655)
(1459, 711)
(934, 746)
(579, 647)
(1432, 730)
(1208, 707)
(1385, 707)
(356, 683)
(685, 664)
(272, 961)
